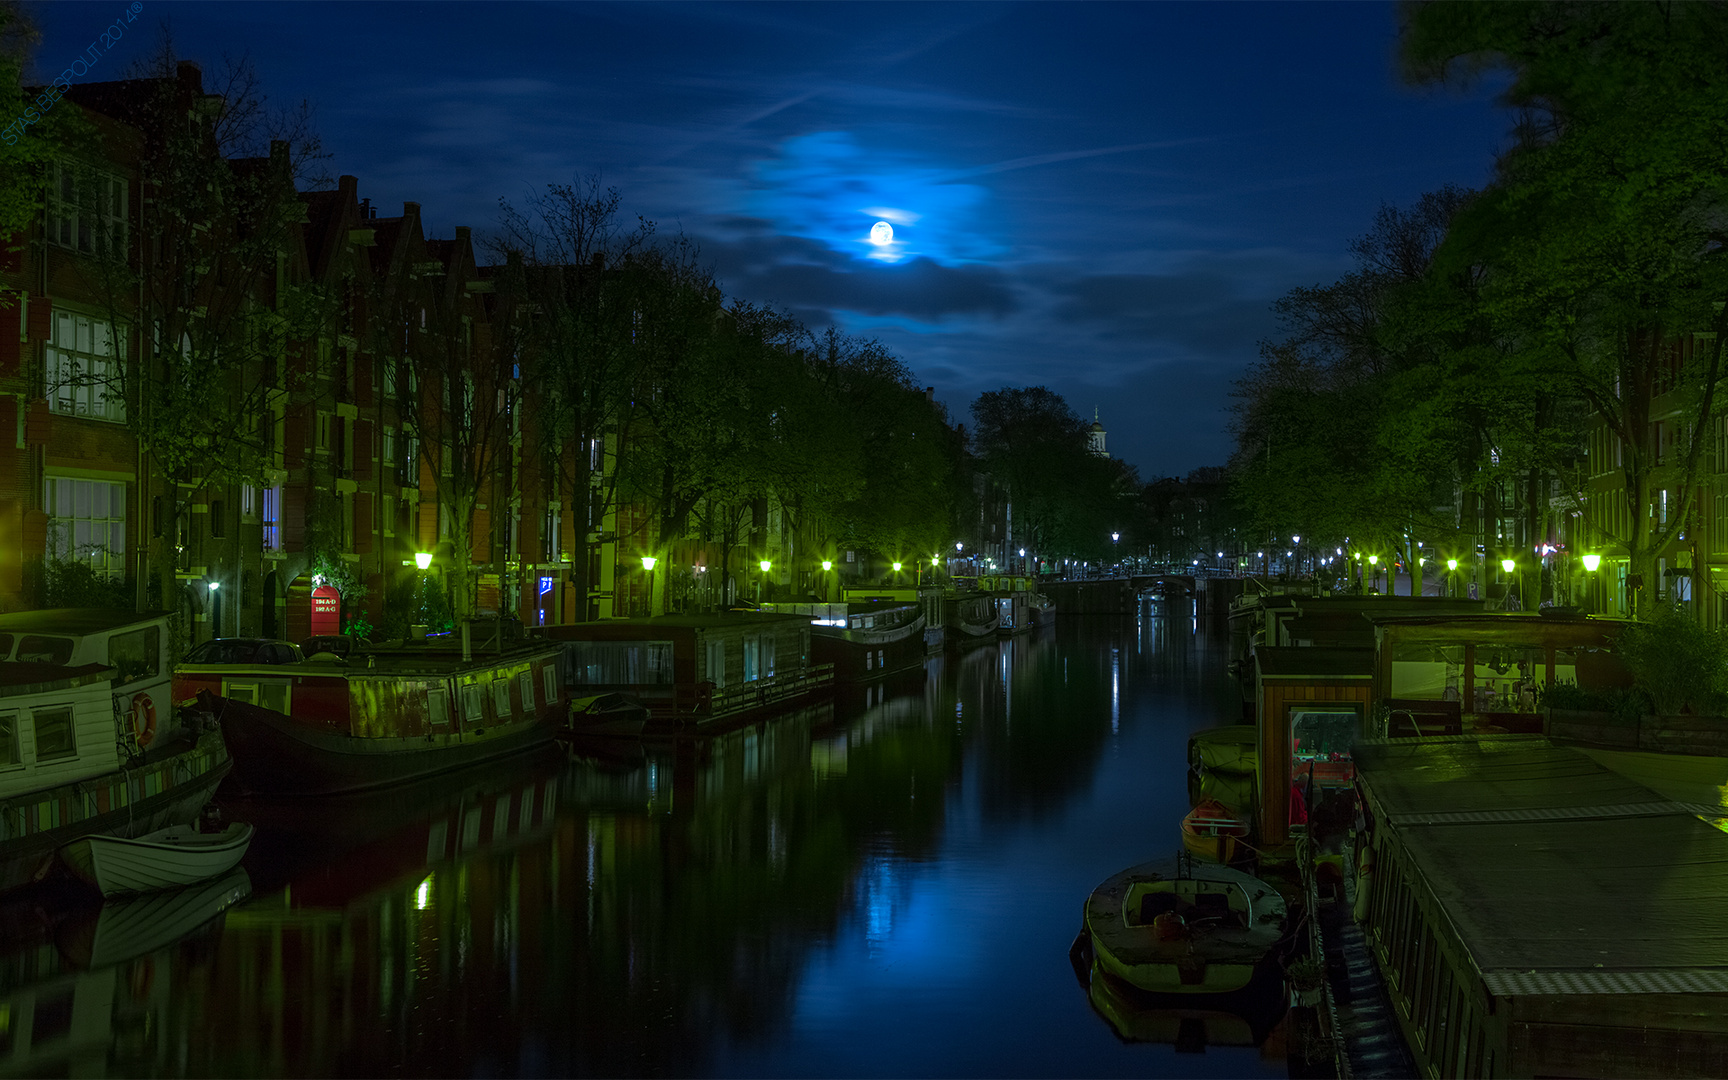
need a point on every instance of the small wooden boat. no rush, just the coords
(1180, 927)
(606, 716)
(165, 859)
(134, 926)
(1233, 748)
(1212, 831)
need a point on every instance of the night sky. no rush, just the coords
(1100, 198)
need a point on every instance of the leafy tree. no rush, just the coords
(1603, 236)
(1066, 499)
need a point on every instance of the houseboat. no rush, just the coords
(972, 618)
(693, 671)
(1018, 607)
(387, 714)
(1536, 913)
(84, 749)
(865, 639)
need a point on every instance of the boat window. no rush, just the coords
(1320, 743)
(40, 649)
(622, 663)
(527, 688)
(752, 658)
(274, 695)
(137, 654)
(1426, 671)
(9, 739)
(246, 693)
(55, 736)
(767, 657)
(501, 699)
(438, 705)
(549, 682)
(715, 663)
(473, 707)
(6, 646)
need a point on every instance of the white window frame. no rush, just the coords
(87, 209)
(76, 531)
(85, 370)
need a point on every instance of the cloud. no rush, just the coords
(1201, 311)
(921, 289)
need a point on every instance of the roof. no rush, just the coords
(1558, 875)
(1525, 628)
(19, 678)
(73, 620)
(1298, 662)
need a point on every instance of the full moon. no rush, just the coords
(881, 234)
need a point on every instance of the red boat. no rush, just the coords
(385, 715)
(1213, 832)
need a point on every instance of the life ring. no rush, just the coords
(143, 718)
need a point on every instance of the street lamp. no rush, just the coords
(1591, 562)
(765, 564)
(423, 560)
(648, 562)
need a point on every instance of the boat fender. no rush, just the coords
(1168, 926)
(143, 718)
(1364, 886)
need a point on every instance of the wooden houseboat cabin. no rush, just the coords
(867, 638)
(1535, 913)
(1312, 704)
(693, 670)
(387, 714)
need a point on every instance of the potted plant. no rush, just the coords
(1306, 975)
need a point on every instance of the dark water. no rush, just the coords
(887, 886)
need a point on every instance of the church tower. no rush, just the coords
(1095, 439)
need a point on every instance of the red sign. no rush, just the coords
(326, 611)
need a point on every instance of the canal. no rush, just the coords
(884, 886)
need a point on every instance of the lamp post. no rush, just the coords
(215, 609)
(1115, 536)
(762, 581)
(648, 562)
(827, 568)
(1374, 572)
(1591, 562)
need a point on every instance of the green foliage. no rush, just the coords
(399, 608)
(1681, 665)
(1626, 704)
(358, 627)
(58, 583)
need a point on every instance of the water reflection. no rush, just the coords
(884, 885)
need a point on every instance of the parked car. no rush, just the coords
(341, 645)
(232, 650)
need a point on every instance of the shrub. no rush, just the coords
(1681, 665)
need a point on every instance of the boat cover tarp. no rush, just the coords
(1557, 873)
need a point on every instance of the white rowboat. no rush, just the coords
(165, 859)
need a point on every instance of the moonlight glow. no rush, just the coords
(881, 234)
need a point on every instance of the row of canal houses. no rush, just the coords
(352, 425)
(1540, 893)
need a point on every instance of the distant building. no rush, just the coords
(1095, 438)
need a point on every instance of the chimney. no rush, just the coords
(411, 210)
(462, 232)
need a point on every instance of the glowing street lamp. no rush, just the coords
(423, 560)
(1508, 565)
(1591, 562)
(827, 565)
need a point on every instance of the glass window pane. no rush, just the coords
(54, 735)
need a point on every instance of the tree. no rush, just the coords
(1603, 236)
(1065, 498)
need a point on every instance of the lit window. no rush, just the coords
(269, 517)
(85, 371)
(87, 522)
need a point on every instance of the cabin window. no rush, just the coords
(36, 648)
(715, 663)
(549, 682)
(1320, 743)
(526, 679)
(274, 695)
(55, 735)
(9, 740)
(246, 693)
(767, 657)
(137, 654)
(501, 709)
(622, 663)
(438, 706)
(473, 704)
(752, 658)
(6, 646)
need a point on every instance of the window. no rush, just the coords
(85, 373)
(40, 649)
(438, 706)
(87, 209)
(752, 658)
(473, 704)
(549, 682)
(527, 687)
(87, 522)
(716, 663)
(616, 663)
(9, 740)
(218, 518)
(136, 654)
(54, 733)
(549, 535)
(269, 509)
(501, 710)
(248, 504)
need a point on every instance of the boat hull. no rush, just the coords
(869, 655)
(166, 859)
(273, 754)
(1212, 832)
(170, 787)
(1162, 928)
